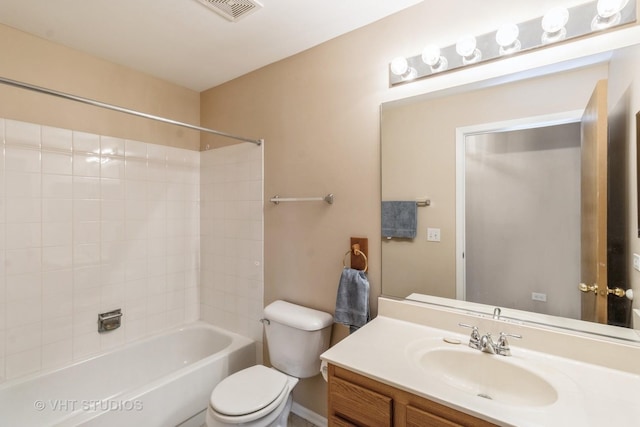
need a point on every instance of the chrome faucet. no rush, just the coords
(486, 344)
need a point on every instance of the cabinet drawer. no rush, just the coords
(358, 405)
(419, 418)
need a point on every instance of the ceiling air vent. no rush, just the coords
(232, 10)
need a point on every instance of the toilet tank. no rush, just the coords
(296, 337)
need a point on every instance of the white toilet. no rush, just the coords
(259, 396)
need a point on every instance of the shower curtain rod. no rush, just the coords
(95, 103)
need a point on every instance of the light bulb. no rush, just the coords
(553, 23)
(400, 67)
(507, 38)
(608, 8)
(466, 47)
(431, 56)
(608, 14)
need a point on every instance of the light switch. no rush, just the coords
(538, 296)
(433, 234)
(636, 261)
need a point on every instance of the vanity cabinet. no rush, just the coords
(356, 400)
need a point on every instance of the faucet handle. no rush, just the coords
(502, 348)
(474, 339)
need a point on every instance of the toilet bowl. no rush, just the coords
(254, 397)
(260, 396)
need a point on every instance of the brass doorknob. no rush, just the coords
(588, 288)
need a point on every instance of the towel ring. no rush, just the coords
(357, 252)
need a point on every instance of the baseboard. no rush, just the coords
(309, 415)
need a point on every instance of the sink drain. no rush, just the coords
(484, 396)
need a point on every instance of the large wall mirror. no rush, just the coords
(505, 169)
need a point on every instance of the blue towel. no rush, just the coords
(399, 219)
(352, 301)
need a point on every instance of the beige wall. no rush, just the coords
(39, 62)
(319, 114)
(418, 160)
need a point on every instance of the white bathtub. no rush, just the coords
(163, 380)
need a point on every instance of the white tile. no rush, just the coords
(112, 167)
(86, 142)
(135, 329)
(23, 363)
(23, 210)
(57, 186)
(23, 185)
(57, 210)
(135, 190)
(57, 305)
(157, 153)
(112, 339)
(56, 138)
(57, 258)
(136, 209)
(57, 354)
(86, 232)
(57, 233)
(86, 345)
(55, 162)
(87, 279)
(19, 261)
(110, 146)
(112, 189)
(23, 235)
(23, 338)
(112, 297)
(86, 301)
(135, 149)
(86, 210)
(57, 329)
(135, 169)
(23, 312)
(23, 286)
(113, 210)
(86, 187)
(112, 274)
(22, 133)
(22, 159)
(59, 281)
(86, 165)
(112, 231)
(86, 254)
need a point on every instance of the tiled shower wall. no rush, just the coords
(89, 224)
(231, 185)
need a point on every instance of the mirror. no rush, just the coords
(420, 159)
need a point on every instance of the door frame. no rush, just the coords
(572, 116)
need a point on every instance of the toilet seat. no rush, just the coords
(249, 394)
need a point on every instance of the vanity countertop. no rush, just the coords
(388, 349)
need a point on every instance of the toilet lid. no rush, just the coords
(248, 390)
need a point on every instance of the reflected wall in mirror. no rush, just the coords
(418, 155)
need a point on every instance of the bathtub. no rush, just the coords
(163, 380)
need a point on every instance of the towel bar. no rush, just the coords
(357, 252)
(277, 199)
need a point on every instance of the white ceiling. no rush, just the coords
(185, 42)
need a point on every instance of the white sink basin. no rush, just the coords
(487, 376)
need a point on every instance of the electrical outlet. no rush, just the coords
(433, 234)
(636, 261)
(537, 296)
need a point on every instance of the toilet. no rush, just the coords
(260, 396)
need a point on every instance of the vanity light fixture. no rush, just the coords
(467, 49)
(400, 67)
(553, 25)
(507, 39)
(588, 18)
(608, 14)
(432, 57)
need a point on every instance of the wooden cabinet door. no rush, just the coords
(358, 405)
(594, 135)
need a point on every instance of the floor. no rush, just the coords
(297, 421)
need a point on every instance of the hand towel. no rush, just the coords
(352, 301)
(399, 219)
